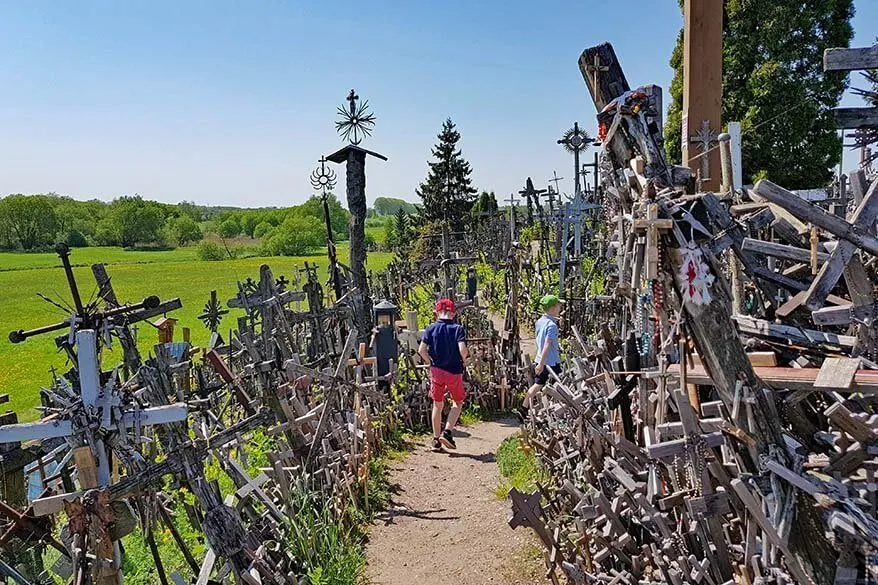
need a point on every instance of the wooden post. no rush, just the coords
(702, 88)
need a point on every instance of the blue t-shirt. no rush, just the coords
(442, 338)
(547, 332)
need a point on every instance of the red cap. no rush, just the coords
(445, 306)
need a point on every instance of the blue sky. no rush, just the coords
(232, 102)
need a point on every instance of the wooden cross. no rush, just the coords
(512, 204)
(595, 68)
(526, 511)
(532, 194)
(352, 100)
(852, 235)
(651, 225)
(704, 138)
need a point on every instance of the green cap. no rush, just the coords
(549, 301)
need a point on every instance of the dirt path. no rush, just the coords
(446, 524)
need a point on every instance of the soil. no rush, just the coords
(446, 524)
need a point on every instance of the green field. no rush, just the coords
(26, 366)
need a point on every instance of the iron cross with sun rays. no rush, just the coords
(356, 120)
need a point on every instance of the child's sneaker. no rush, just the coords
(447, 439)
(437, 446)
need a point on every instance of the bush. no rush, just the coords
(75, 239)
(211, 251)
(229, 228)
(297, 235)
(262, 230)
(183, 230)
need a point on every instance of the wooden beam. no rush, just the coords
(865, 381)
(752, 326)
(814, 214)
(855, 117)
(842, 59)
(780, 250)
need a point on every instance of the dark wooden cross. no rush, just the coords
(532, 196)
(526, 511)
(512, 203)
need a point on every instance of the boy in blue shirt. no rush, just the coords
(444, 348)
(548, 349)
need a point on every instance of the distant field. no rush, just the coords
(26, 366)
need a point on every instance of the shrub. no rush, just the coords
(211, 251)
(262, 230)
(297, 235)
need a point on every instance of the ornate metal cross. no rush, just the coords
(704, 138)
(575, 141)
(356, 121)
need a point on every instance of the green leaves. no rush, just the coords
(774, 84)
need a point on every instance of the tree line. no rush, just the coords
(35, 222)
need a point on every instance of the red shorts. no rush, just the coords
(442, 382)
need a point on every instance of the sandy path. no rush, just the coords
(446, 525)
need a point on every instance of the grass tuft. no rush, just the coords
(518, 467)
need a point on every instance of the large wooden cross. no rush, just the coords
(702, 86)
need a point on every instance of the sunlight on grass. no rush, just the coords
(135, 275)
(518, 467)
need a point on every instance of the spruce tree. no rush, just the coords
(447, 193)
(774, 84)
(401, 227)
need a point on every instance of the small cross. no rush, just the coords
(652, 224)
(781, 297)
(352, 98)
(704, 138)
(595, 68)
(526, 511)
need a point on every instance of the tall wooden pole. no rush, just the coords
(356, 194)
(703, 89)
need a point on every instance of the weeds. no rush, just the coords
(518, 467)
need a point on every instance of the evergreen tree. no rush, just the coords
(447, 193)
(773, 83)
(401, 227)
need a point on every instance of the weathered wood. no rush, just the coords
(752, 326)
(843, 59)
(849, 118)
(814, 214)
(837, 373)
(780, 250)
(862, 219)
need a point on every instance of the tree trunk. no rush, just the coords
(356, 191)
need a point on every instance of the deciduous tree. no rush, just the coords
(774, 84)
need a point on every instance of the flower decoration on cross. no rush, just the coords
(356, 121)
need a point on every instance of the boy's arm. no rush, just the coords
(464, 351)
(424, 352)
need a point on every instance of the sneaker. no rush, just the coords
(447, 439)
(437, 446)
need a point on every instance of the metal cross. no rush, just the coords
(352, 98)
(556, 179)
(512, 203)
(704, 138)
(575, 141)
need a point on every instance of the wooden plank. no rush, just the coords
(837, 373)
(855, 117)
(814, 214)
(865, 381)
(844, 59)
(863, 218)
(780, 250)
(752, 326)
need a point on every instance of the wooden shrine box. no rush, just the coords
(165, 325)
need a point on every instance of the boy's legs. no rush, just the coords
(437, 395)
(453, 414)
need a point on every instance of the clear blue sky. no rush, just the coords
(232, 102)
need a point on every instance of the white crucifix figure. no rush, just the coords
(704, 138)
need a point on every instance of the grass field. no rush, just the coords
(26, 366)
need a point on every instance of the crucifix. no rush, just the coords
(324, 179)
(651, 225)
(702, 86)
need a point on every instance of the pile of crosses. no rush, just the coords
(126, 448)
(723, 428)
